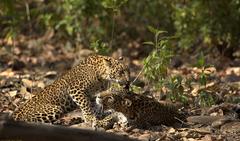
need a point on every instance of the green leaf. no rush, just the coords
(69, 30)
(152, 29)
(149, 43)
(160, 32)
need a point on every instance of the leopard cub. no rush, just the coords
(76, 88)
(139, 109)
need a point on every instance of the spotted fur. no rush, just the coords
(76, 88)
(139, 109)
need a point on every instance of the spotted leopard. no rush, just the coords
(76, 88)
(139, 109)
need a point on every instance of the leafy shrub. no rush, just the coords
(156, 64)
(100, 47)
(214, 23)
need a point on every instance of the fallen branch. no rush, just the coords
(22, 131)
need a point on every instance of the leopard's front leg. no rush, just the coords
(83, 101)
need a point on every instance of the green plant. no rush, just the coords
(77, 17)
(202, 65)
(10, 18)
(136, 89)
(215, 23)
(100, 47)
(206, 99)
(205, 96)
(156, 64)
(89, 20)
(204, 74)
(176, 90)
(115, 5)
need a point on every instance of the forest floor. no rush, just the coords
(28, 64)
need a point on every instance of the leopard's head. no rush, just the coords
(115, 100)
(116, 71)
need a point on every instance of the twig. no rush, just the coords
(137, 76)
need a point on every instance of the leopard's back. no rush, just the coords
(46, 106)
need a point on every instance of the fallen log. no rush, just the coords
(22, 131)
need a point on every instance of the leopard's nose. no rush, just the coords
(127, 86)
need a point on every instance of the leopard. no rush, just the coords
(140, 109)
(76, 88)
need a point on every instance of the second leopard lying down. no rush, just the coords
(140, 109)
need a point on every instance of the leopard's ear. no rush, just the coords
(127, 102)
